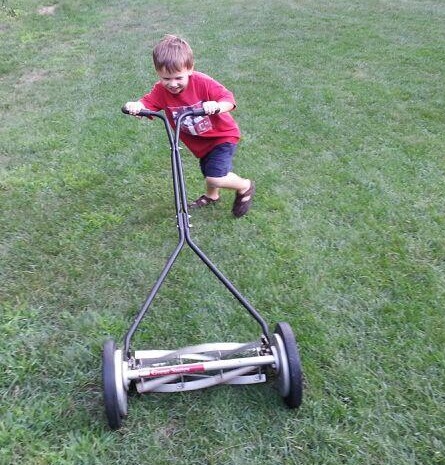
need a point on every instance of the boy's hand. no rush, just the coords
(134, 107)
(211, 107)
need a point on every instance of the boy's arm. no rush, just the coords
(211, 107)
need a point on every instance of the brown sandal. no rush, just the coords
(203, 201)
(243, 202)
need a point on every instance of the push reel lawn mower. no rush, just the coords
(199, 366)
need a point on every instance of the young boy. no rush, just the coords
(213, 138)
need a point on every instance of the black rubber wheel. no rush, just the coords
(109, 385)
(294, 397)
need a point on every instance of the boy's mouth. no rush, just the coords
(174, 90)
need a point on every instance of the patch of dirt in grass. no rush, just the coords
(32, 76)
(4, 160)
(130, 20)
(47, 10)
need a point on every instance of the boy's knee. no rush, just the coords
(214, 182)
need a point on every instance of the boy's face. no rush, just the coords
(175, 82)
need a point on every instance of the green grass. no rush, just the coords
(341, 106)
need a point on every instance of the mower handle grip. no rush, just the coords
(143, 112)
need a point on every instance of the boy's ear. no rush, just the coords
(190, 71)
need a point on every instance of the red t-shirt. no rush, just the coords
(199, 133)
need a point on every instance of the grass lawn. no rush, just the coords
(341, 105)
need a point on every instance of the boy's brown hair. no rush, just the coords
(172, 54)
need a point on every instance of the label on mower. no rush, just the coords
(173, 370)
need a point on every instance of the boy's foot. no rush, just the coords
(243, 201)
(203, 201)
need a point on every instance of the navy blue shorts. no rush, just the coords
(218, 162)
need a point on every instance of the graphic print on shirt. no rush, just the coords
(194, 125)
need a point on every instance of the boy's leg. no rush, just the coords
(214, 165)
(245, 190)
(230, 181)
(211, 191)
(216, 168)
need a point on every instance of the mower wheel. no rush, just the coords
(290, 375)
(113, 390)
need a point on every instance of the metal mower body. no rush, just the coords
(204, 365)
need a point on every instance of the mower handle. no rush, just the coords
(149, 113)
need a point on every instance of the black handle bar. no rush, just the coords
(144, 112)
(149, 113)
(183, 227)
